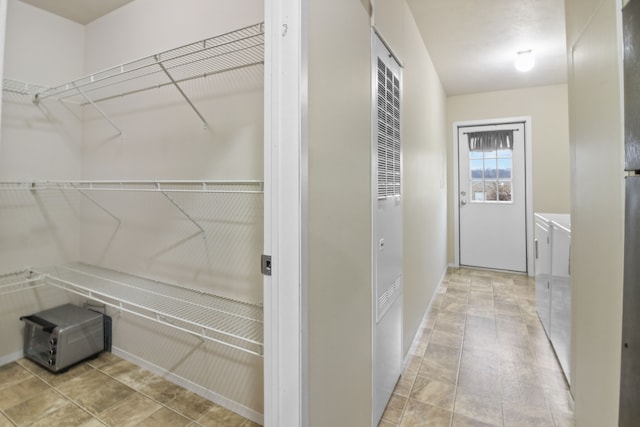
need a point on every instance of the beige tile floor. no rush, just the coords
(103, 391)
(481, 358)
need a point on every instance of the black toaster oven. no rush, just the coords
(62, 336)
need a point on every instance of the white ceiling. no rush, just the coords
(472, 43)
(81, 11)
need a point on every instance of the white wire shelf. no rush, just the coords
(19, 281)
(236, 49)
(21, 88)
(178, 186)
(233, 323)
(231, 51)
(163, 187)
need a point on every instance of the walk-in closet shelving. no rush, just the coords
(19, 281)
(226, 321)
(21, 88)
(179, 186)
(233, 323)
(223, 53)
(179, 268)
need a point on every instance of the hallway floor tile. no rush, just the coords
(104, 391)
(481, 358)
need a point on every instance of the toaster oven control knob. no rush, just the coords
(52, 351)
(52, 362)
(53, 341)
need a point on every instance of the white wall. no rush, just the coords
(340, 197)
(41, 142)
(424, 176)
(37, 142)
(597, 199)
(548, 108)
(339, 214)
(150, 26)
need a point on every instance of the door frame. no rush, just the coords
(528, 153)
(285, 214)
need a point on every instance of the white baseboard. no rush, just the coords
(407, 357)
(191, 386)
(442, 276)
(12, 357)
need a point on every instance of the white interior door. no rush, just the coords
(492, 196)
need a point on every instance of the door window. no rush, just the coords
(490, 167)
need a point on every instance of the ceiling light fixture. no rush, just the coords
(525, 60)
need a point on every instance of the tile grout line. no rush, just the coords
(58, 392)
(495, 324)
(7, 417)
(162, 405)
(51, 385)
(464, 329)
(73, 402)
(95, 416)
(423, 353)
(413, 381)
(538, 367)
(520, 290)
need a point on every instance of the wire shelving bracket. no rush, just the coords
(98, 109)
(99, 205)
(183, 212)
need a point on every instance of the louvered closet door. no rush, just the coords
(387, 224)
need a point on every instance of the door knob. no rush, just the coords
(463, 202)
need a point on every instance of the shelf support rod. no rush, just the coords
(90, 101)
(95, 202)
(184, 95)
(172, 200)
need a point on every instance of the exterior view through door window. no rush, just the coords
(490, 158)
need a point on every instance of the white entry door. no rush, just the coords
(492, 196)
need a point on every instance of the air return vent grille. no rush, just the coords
(388, 297)
(388, 132)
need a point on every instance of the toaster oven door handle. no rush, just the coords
(39, 322)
